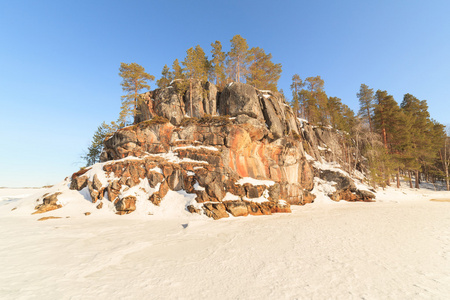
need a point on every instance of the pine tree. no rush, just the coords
(297, 84)
(366, 105)
(166, 77)
(263, 73)
(434, 168)
(389, 122)
(316, 100)
(303, 97)
(218, 64)
(444, 155)
(383, 113)
(282, 95)
(134, 79)
(177, 70)
(196, 67)
(238, 58)
(420, 124)
(196, 64)
(95, 149)
(337, 112)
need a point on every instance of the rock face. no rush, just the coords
(50, 202)
(234, 135)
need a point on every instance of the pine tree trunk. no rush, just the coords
(417, 179)
(190, 97)
(410, 180)
(445, 165)
(398, 178)
(385, 138)
(370, 121)
(135, 104)
(238, 75)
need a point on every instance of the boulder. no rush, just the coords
(254, 191)
(49, 203)
(155, 198)
(163, 189)
(78, 183)
(240, 98)
(154, 178)
(175, 180)
(365, 195)
(254, 209)
(192, 209)
(126, 205)
(308, 197)
(215, 210)
(93, 192)
(168, 103)
(343, 182)
(236, 208)
(96, 184)
(113, 190)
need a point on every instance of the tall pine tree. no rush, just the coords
(263, 73)
(296, 86)
(218, 64)
(196, 68)
(366, 104)
(238, 58)
(316, 100)
(134, 79)
(421, 144)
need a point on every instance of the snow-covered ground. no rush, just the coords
(395, 248)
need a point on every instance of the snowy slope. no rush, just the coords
(396, 248)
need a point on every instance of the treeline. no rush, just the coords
(397, 140)
(239, 64)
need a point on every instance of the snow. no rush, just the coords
(197, 187)
(395, 248)
(230, 197)
(303, 120)
(323, 149)
(210, 148)
(309, 157)
(332, 166)
(254, 181)
(173, 158)
(156, 169)
(263, 198)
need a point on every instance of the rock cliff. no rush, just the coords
(242, 152)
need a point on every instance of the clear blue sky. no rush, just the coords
(59, 61)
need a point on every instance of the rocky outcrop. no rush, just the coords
(238, 152)
(345, 187)
(49, 202)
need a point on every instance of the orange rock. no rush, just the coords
(236, 208)
(48, 218)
